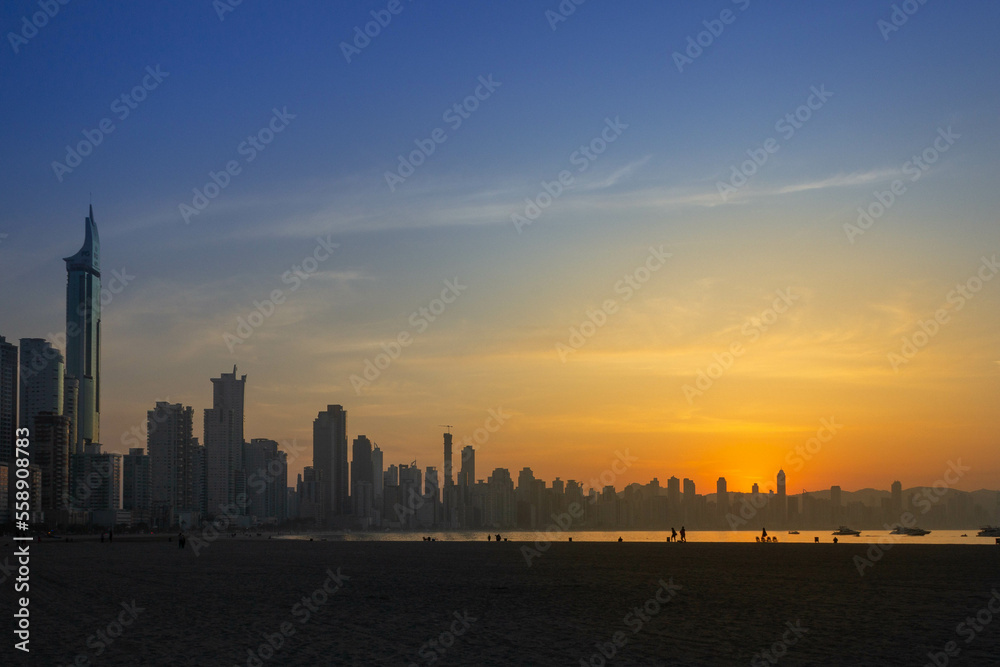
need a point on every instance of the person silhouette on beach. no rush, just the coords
(763, 534)
(683, 535)
(498, 537)
(619, 538)
(673, 535)
(488, 537)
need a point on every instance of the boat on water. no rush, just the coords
(912, 532)
(844, 530)
(793, 532)
(989, 531)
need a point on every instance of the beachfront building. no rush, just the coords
(137, 485)
(330, 461)
(42, 381)
(175, 485)
(83, 334)
(96, 479)
(8, 399)
(50, 440)
(225, 474)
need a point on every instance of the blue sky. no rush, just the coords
(324, 176)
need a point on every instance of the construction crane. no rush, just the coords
(447, 426)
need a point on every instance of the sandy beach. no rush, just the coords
(270, 602)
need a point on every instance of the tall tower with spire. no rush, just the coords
(83, 334)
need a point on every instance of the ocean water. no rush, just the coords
(805, 536)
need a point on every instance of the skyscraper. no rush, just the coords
(169, 444)
(448, 479)
(721, 498)
(226, 478)
(83, 333)
(897, 498)
(8, 400)
(50, 440)
(782, 515)
(136, 485)
(42, 382)
(330, 461)
(467, 473)
(361, 469)
(377, 479)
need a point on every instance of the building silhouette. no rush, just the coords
(226, 478)
(83, 333)
(330, 462)
(8, 401)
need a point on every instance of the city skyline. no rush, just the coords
(857, 284)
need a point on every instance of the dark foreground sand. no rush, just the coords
(735, 600)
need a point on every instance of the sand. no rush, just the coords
(733, 601)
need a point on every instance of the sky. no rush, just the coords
(708, 239)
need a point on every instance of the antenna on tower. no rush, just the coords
(447, 426)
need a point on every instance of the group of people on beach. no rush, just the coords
(489, 537)
(673, 535)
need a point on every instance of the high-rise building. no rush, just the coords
(448, 479)
(897, 498)
(42, 381)
(97, 479)
(226, 478)
(330, 461)
(674, 493)
(137, 485)
(782, 510)
(835, 504)
(169, 442)
(267, 480)
(71, 395)
(467, 473)
(83, 333)
(8, 400)
(361, 465)
(721, 498)
(378, 480)
(50, 440)
(688, 490)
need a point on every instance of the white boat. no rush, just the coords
(844, 530)
(912, 532)
(793, 532)
(989, 531)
